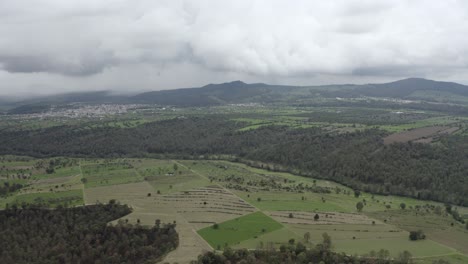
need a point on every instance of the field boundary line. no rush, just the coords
(229, 191)
(256, 208)
(83, 189)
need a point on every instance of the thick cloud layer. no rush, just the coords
(53, 45)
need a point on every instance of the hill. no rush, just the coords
(415, 88)
(211, 94)
(239, 92)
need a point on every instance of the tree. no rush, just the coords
(175, 167)
(326, 241)
(316, 217)
(417, 235)
(307, 237)
(403, 206)
(383, 254)
(359, 206)
(291, 215)
(69, 227)
(404, 257)
(215, 226)
(300, 248)
(357, 193)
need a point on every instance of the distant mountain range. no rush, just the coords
(240, 92)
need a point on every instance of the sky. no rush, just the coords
(56, 46)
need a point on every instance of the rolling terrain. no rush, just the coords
(238, 92)
(218, 203)
(238, 166)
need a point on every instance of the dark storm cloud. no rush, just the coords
(86, 64)
(123, 44)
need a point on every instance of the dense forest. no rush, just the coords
(293, 252)
(357, 159)
(32, 234)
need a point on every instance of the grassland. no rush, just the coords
(239, 229)
(171, 176)
(272, 239)
(109, 174)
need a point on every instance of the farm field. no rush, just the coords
(422, 135)
(272, 239)
(239, 229)
(109, 174)
(252, 207)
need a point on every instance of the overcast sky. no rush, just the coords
(49, 46)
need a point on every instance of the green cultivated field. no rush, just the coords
(239, 229)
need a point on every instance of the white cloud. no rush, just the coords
(52, 45)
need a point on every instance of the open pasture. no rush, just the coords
(269, 240)
(362, 238)
(281, 201)
(251, 181)
(169, 176)
(109, 174)
(324, 218)
(60, 172)
(53, 184)
(423, 248)
(436, 227)
(454, 258)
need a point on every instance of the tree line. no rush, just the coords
(297, 253)
(357, 159)
(32, 234)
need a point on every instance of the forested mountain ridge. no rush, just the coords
(211, 94)
(239, 92)
(405, 88)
